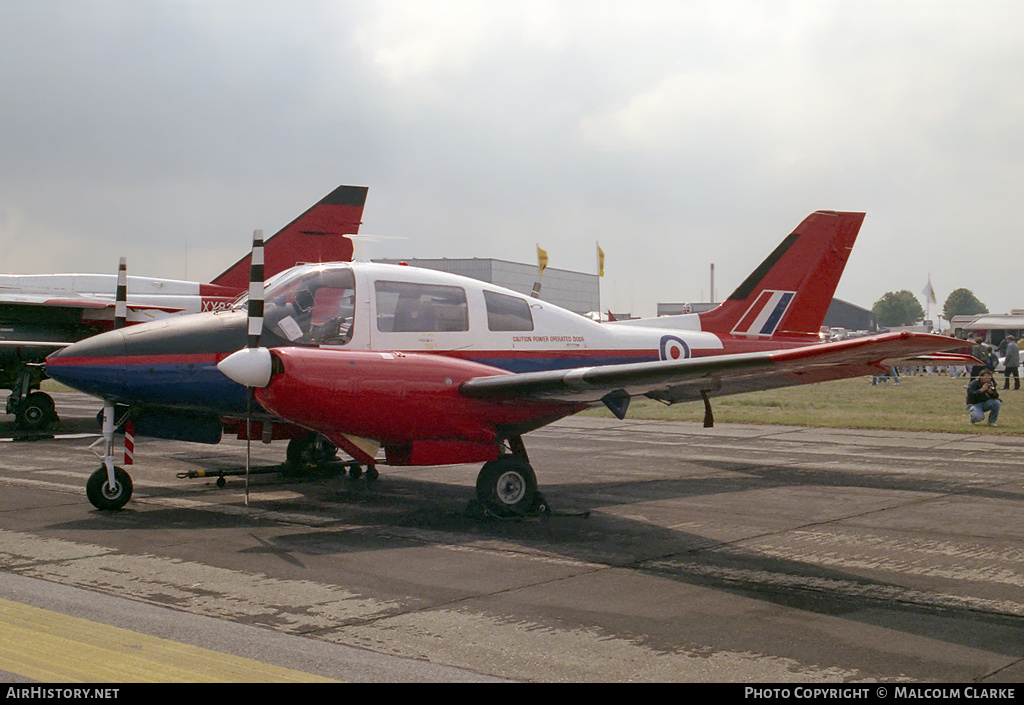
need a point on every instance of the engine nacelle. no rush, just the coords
(400, 400)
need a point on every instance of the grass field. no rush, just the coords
(919, 403)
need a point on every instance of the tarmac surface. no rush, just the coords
(676, 553)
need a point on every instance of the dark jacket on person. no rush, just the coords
(976, 396)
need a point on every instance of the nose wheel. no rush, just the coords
(105, 496)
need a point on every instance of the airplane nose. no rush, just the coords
(95, 365)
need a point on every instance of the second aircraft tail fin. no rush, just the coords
(318, 235)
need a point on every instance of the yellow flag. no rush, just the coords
(542, 259)
(600, 261)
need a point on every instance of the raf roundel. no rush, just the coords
(673, 348)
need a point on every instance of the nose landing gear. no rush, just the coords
(110, 487)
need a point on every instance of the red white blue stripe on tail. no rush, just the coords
(764, 315)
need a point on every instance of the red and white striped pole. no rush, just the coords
(129, 443)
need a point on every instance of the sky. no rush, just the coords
(676, 134)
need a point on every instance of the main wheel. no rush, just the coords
(507, 486)
(299, 451)
(36, 411)
(105, 497)
(310, 451)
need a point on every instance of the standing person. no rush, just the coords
(979, 352)
(1011, 362)
(982, 398)
(993, 360)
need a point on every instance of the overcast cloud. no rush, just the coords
(675, 133)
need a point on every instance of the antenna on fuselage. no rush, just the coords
(360, 244)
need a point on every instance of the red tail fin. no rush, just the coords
(789, 294)
(318, 235)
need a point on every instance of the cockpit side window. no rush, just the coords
(411, 307)
(507, 313)
(313, 307)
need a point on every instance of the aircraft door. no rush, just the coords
(410, 315)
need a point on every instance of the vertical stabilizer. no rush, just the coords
(790, 292)
(318, 235)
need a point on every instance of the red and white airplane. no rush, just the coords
(40, 313)
(437, 369)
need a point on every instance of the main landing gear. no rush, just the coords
(313, 451)
(507, 487)
(33, 410)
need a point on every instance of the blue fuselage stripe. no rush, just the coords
(201, 387)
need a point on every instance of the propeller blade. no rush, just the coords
(121, 296)
(248, 439)
(251, 368)
(256, 290)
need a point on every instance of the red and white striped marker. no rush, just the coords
(129, 443)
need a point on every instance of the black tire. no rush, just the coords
(299, 452)
(326, 452)
(104, 497)
(310, 451)
(35, 412)
(371, 473)
(507, 486)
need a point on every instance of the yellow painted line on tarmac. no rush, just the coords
(52, 647)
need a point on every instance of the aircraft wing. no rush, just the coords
(690, 379)
(72, 301)
(41, 344)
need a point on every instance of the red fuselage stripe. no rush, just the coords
(172, 359)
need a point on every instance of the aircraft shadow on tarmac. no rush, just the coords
(401, 511)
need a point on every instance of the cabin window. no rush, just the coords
(315, 307)
(507, 312)
(410, 307)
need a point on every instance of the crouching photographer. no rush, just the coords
(983, 397)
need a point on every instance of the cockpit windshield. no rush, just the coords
(311, 305)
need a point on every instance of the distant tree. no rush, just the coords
(962, 302)
(897, 308)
